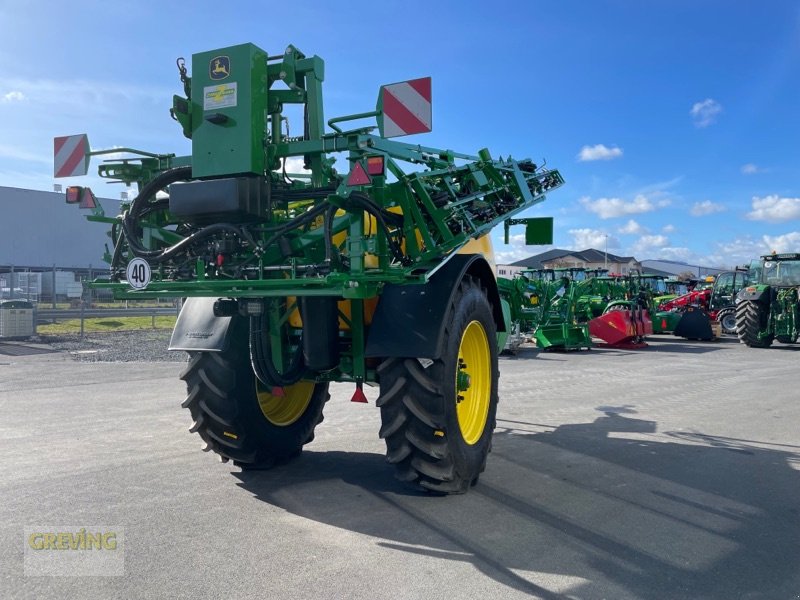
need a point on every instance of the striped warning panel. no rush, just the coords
(70, 155)
(406, 108)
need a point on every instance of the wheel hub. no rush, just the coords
(285, 410)
(473, 381)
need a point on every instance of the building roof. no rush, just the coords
(652, 271)
(590, 255)
(675, 267)
(535, 262)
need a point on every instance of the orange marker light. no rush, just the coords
(74, 194)
(375, 165)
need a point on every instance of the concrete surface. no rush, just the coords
(670, 472)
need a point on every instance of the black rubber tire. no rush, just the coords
(727, 320)
(419, 420)
(224, 406)
(751, 318)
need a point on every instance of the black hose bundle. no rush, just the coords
(142, 205)
(382, 215)
(261, 358)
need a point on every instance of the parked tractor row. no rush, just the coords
(566, 308)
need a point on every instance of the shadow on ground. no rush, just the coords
(592, 510)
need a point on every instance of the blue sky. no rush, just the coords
(675, 124)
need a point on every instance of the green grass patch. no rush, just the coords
(68, 326)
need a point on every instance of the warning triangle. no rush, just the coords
(358, 176)
(87, 199)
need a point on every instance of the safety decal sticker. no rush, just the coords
(219, 96)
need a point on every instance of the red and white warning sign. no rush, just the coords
(405, 108)
(71, 155)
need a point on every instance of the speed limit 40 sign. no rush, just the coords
(138, 273)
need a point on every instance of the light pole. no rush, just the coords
(605, 259)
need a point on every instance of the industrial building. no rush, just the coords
(46, 246)
(587, 259)
(597, 259)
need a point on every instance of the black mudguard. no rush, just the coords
(409, 320)
(760, 293)
(197, 329)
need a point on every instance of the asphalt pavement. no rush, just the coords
(668, 472)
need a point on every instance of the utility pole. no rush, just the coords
(605, 261)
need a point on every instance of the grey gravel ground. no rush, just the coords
(125, 346)
(667, 473)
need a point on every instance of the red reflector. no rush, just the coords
(74, 193)
(358, 176)
(87, 199)
(359, 395)
(375, 165)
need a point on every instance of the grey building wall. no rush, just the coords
(676, 268)
(39, 230)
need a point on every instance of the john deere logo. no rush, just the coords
(219, 67)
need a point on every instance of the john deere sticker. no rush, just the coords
(219, 68)
(219, 96)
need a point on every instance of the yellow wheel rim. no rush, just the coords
(473, 382)
(285, 410)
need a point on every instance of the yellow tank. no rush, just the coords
(483, 245)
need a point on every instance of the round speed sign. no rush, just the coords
(138, 273)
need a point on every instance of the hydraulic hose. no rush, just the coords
(141, 205)
(261, 358)
(381, 216)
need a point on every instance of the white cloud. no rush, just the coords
(751, 169)
(592, 238)
(738, 251)
(515, 250)
(706, 207)
(668, 229)
(609, 208)
(632, 228)
(774, 209)
(599, 152)
(705, 113)
(650, 243)
(294, 164)
(15, 153)
(678, 253)
(68, 96)
(788, 242)
(14, 96)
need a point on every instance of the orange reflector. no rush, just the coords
(375, 165)
(74, 193)
(358, 176)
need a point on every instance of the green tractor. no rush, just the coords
(723, 297)
(769, 308)
(295, 275)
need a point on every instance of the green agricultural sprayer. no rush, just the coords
(379, 274)
(543, 305)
